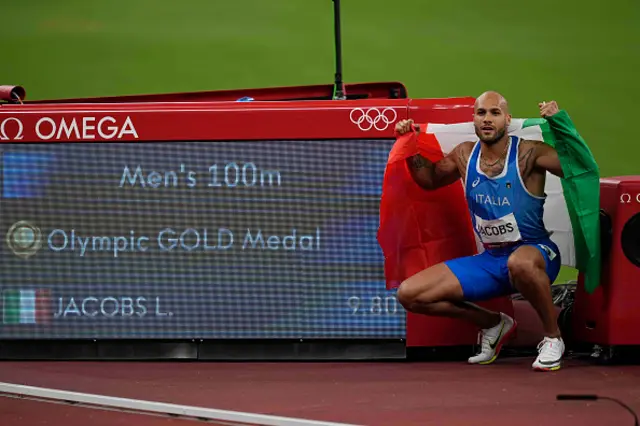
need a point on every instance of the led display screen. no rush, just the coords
(229, 240)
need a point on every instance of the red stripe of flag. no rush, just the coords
(420, 228)
(44, 311)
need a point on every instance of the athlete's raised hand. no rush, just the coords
(404, 126)
(547, 109)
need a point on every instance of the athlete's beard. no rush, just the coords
(499, 134)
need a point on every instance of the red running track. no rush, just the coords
(384, 394)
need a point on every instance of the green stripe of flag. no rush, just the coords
(581, 188)
(26, 306)
(11, 308)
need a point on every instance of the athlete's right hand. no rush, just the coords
(404, 126)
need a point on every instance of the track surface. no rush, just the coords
(34, 413)
(451, 393)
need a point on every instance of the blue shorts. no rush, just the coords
(486, 276)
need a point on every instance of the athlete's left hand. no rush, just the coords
(547, 109)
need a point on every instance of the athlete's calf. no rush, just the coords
(436, 291)
(527, 271)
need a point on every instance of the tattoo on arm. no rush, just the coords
(462, 158)
(433, 175)
(527, 157)
(418, 162)
(422, 171)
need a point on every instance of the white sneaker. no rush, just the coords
(492, 339)
(550, 354)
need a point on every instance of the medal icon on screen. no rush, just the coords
(24, 239)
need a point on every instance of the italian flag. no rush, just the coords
(420, 228)
(26, 306)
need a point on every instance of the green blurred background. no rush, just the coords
(583, 53)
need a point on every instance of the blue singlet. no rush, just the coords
(505, 216)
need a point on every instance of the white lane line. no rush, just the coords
(159, 407)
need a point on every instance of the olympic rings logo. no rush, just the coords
(373, 118)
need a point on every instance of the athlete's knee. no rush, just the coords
(408, 293)
(414, 300)
(432, 285)
(525, 264)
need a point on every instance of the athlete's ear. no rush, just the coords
(508, 119)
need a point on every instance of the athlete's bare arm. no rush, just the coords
(547, 160)
(546, 156)
(430, 175)
(537, 156)
(535, 159)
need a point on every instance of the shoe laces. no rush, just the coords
(484, 341)
(549, 345)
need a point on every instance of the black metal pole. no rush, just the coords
(338, 91)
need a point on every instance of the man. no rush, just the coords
(504, 179)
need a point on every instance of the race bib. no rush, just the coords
(501, 230)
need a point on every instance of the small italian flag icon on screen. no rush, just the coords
(26, 306)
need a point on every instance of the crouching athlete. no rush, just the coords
(504, 179)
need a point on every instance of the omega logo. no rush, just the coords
(11, 131)
(626, 198)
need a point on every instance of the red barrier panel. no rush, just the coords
(610, 316)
